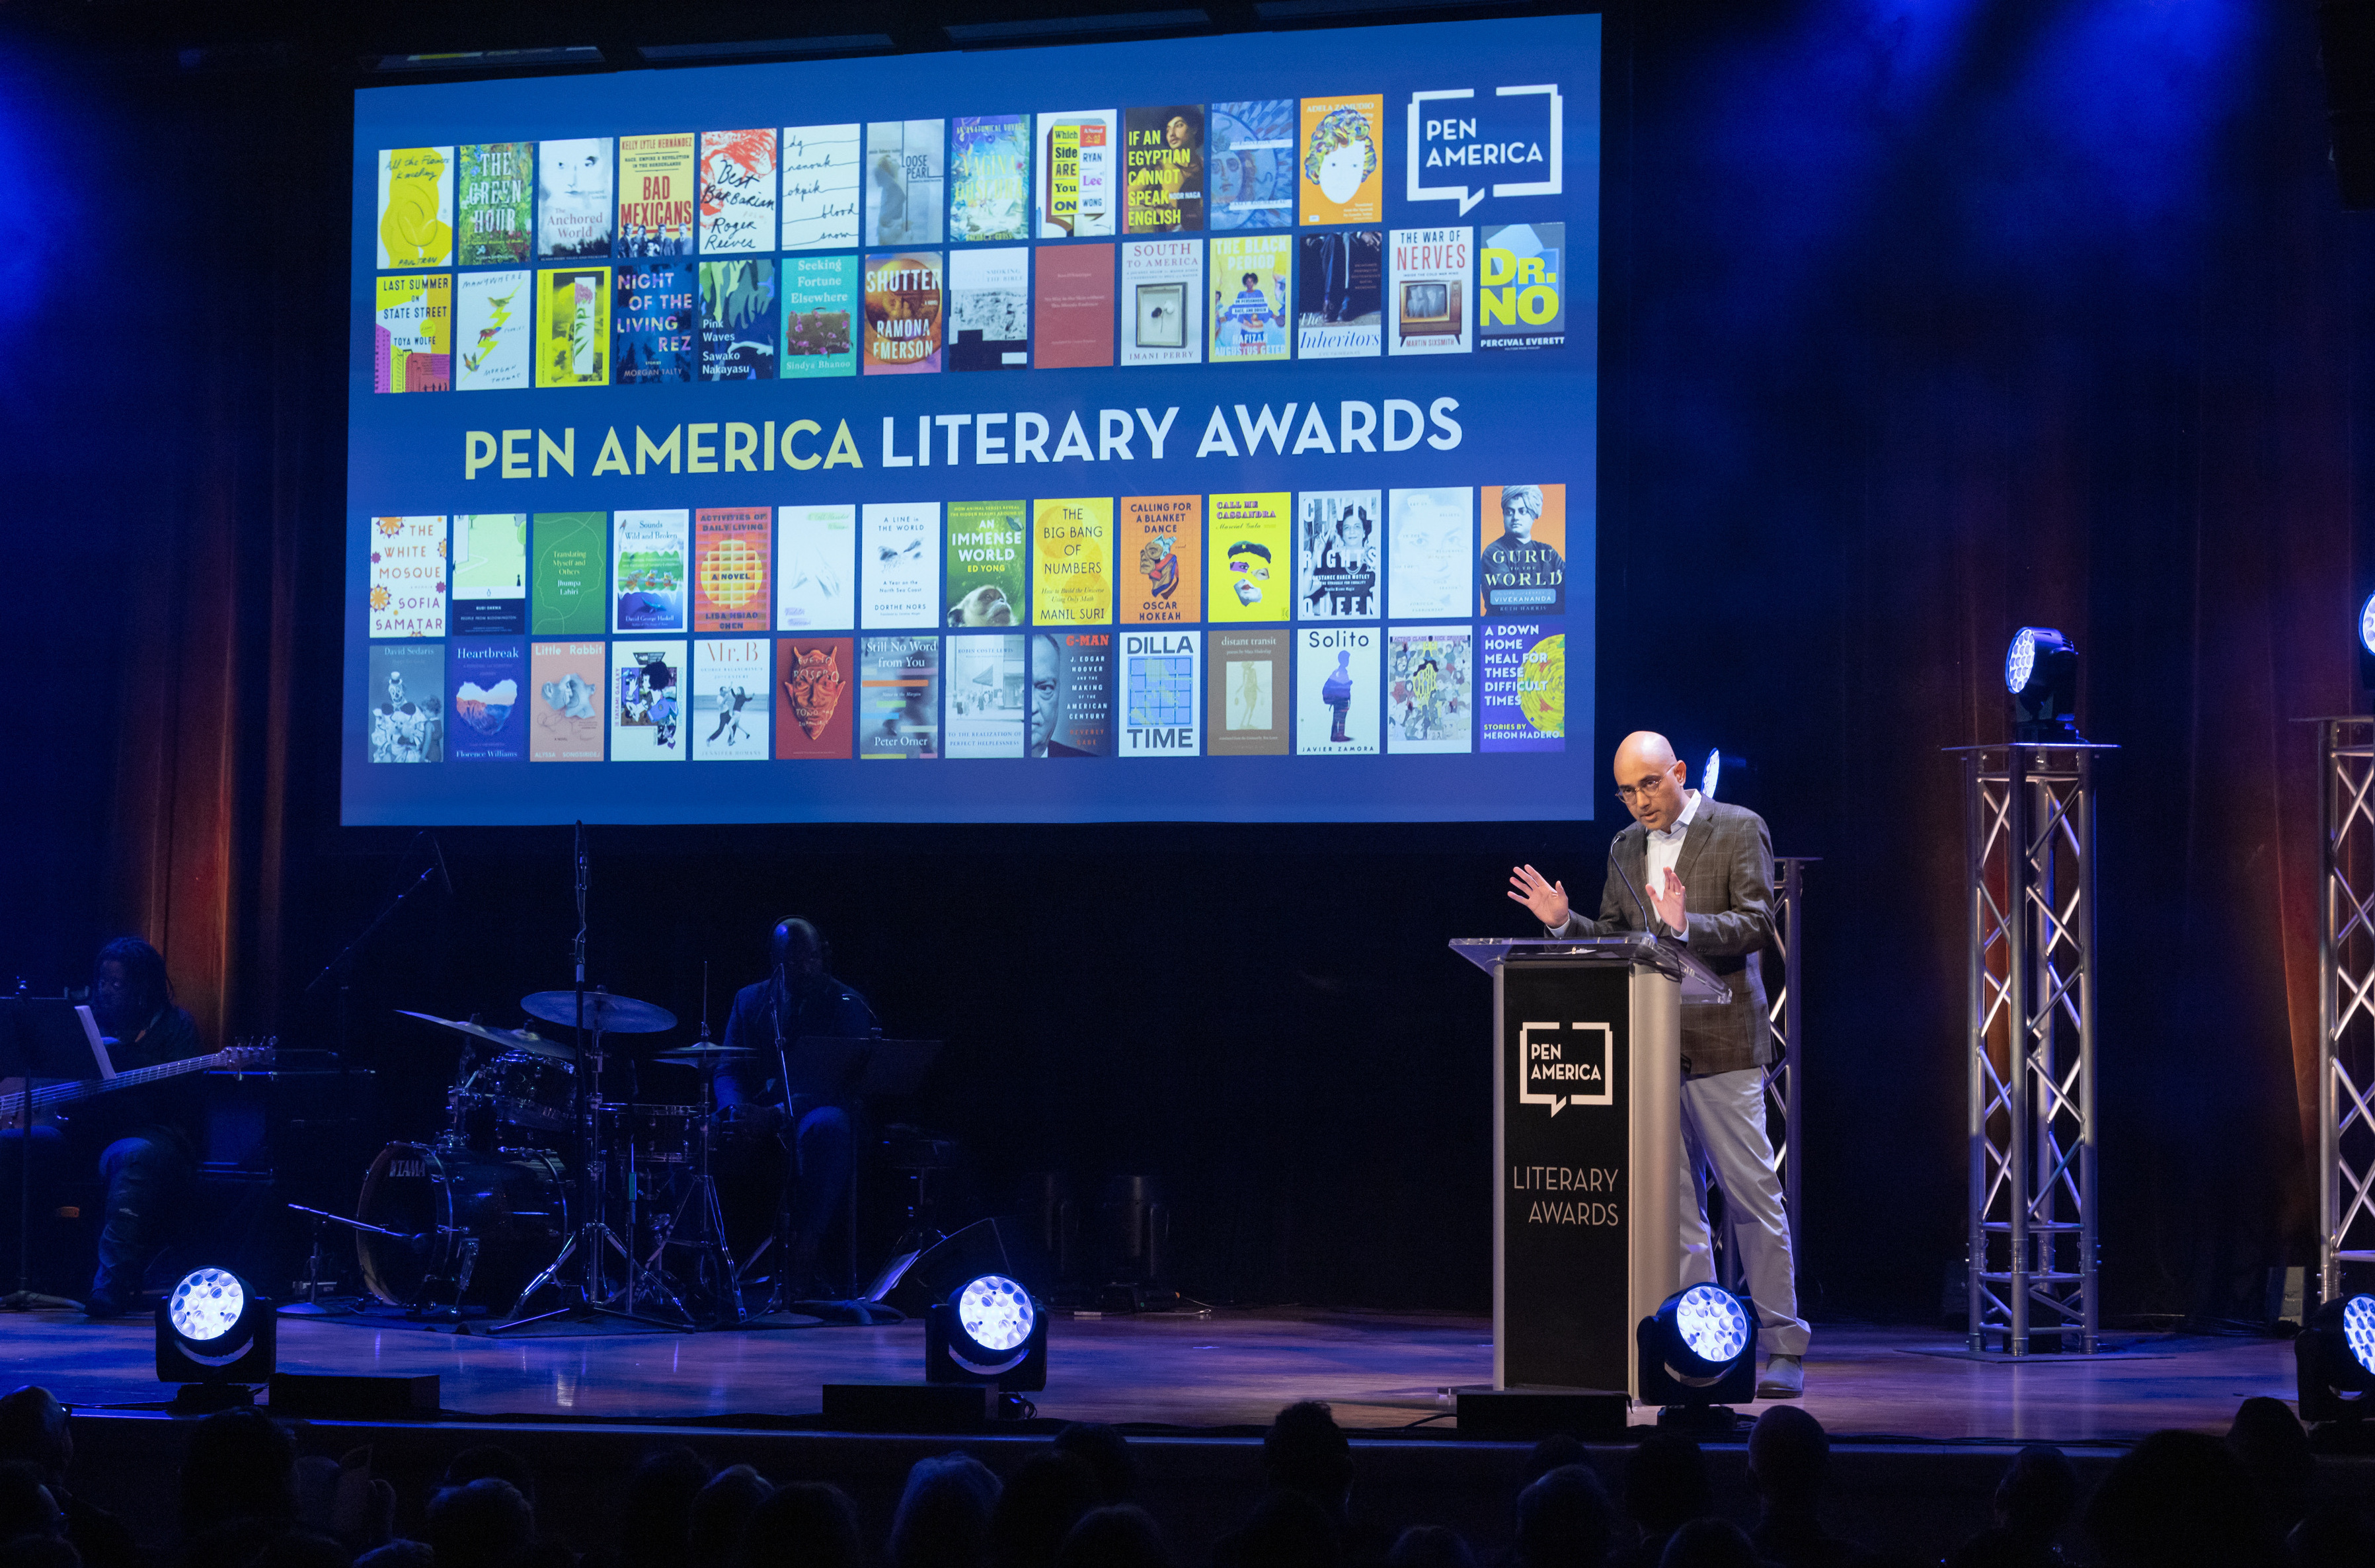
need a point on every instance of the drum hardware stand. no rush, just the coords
(584, 1299)
(421, 1307)
(313, 1305)
(707, 1237)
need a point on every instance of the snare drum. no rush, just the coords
(654, 1135)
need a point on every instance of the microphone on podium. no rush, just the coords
(1647, 922)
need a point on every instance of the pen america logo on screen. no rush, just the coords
(1464, 144)
(1573, 1071)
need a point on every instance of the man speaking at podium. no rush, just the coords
(1706, 869)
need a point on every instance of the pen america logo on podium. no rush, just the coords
(1576, 1070)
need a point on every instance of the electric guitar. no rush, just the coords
(47, 1100)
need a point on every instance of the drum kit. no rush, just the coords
(538, 1183)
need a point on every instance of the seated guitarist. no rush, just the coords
(149, 1134)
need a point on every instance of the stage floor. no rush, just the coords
(1231, 1369)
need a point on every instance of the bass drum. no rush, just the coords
(513, 1204)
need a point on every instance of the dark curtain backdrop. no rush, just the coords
(1921, 322)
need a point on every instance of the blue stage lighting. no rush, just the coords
(2020, 659)
(989, 1330)
(1711, 1322)
(2367, 624)
(1711, 773)
(995, 1312)
(206, 1306)
(2358, 1331)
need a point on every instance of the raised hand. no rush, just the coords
(1547, 899)
(1668, 898)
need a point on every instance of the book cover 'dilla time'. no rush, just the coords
(1161, 692)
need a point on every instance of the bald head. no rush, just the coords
(1643, 751)
(1649, 779)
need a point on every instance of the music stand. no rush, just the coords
(42, 1037)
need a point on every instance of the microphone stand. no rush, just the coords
(584, 1299)
(343, 965)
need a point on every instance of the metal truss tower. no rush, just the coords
(2345, 997)
(1782, 1113)
(2029, 816)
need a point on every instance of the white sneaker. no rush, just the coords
(1785, 1378)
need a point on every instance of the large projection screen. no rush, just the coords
(719, 434)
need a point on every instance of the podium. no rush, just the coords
(1587, 1149)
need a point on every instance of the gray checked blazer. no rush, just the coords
(1727, 871)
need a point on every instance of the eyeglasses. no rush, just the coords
(1628, 794)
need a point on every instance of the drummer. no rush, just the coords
(798, 998)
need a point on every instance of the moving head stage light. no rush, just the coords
(989, 1330)
(2333, 1356)
(2041, 673)
(215, 1338)
(1698, 1355)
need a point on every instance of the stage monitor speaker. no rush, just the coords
(2345, 31)
(987, 1246)
(1529, 1415)
(325, 1398)
(908, 1407)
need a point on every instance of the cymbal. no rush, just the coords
(702, 1056)
(611, 1014)
(509, 1039)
